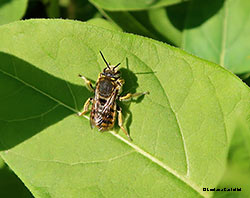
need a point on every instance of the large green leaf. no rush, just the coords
(219, 31)
(12, 10)
(119, 5)
(181, 131)
(131, 23)
(169, 21)
(100, 22)
(163, 24)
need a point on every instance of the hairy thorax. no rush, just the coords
(105, 87)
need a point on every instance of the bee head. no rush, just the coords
(110, 71)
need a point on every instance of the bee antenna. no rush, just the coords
(116, 66)
(104, 60)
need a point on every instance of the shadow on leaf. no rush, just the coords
(4, 2)
(197, 12)
(200, 11)
(10, 181)
(32, 100)
(129, 86)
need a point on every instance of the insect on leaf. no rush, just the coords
(181, 131)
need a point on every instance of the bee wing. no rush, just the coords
(101, 111)
(110, 102)
(92, 123)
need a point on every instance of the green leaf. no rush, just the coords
(123, 5)
(169, 21)
(100, 22)
(219, 31)
(134, 22)
(130, 23)
(12, 10)
(163, 24)
(181, 131)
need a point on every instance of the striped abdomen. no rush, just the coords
(103, 114)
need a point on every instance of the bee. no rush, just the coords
(106, 92)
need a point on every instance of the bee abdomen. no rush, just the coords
(108, 122)
(102, 101)
(110, 116)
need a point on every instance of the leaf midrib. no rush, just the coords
(38, 90)
(135, 147)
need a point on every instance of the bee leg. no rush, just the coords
(130, 95)
(88, 83)
(85, 107)
(120, 122)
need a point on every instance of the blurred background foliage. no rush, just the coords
(216, 30)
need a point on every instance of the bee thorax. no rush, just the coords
(105, 87)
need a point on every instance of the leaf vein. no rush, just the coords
(38, 90)
(220, 108)
(75, 163)
(35, 116)
(173, 111)
(162, 165)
